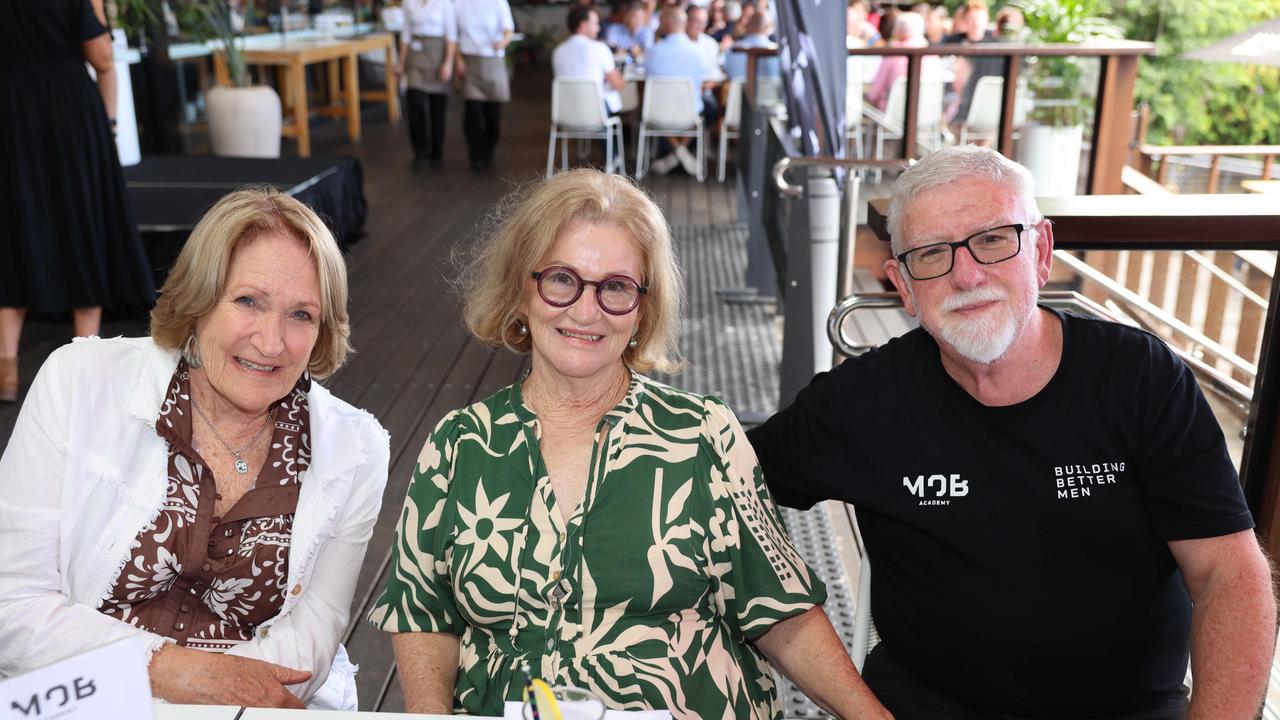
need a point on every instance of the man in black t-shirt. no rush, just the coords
(1047, 500)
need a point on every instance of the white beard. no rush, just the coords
(984, 339)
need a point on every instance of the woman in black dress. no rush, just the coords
(67, 235)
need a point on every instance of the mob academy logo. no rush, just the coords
(936, 489)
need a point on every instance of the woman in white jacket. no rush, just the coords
(197, 488)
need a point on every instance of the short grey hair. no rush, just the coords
(952, 164)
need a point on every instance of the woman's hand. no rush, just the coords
(194, 677)
(460, 68)
(446, 72)
(399, 68)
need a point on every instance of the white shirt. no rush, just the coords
(710, 50)
(430, 18)
(481, 23)
(581, 57)
(85, 471)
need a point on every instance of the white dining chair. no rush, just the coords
(578, 112)
(669, 109)
(731, 123)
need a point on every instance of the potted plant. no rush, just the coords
(1050, 142)
(244, 119)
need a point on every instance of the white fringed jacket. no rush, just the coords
(84, 472)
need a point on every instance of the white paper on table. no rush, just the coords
(165, 711)
(511, 711)
(109, 683)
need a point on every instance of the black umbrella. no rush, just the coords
(1259, 46)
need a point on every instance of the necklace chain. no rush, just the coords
(242, 467)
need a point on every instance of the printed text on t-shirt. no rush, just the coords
(936, 489)
(1079, 481)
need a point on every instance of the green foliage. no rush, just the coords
(213, 20)
(135, 17)
(1195, 102)
(1056, 81)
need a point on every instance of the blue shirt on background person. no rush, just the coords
(735, 62)
(619, 37)
(676, 56)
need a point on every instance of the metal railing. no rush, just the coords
(1111, 130)
(1059, 299)
(1133, 300)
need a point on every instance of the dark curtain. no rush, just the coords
(811, 47)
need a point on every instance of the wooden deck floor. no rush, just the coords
(414, 361)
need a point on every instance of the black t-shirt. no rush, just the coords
(1020, 553)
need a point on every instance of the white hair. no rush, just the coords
(953, 164)
(908, 26)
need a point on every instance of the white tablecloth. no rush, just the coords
(264, 714)
(195, 712)
(229, 712)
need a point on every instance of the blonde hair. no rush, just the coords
(199, 277)
(494, 279)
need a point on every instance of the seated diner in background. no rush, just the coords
(197, 488)
(710, 50)
(858, 32)
(610, 531)
(674, 55)
(908, 32)
(634, 35)
(971, 26)
(757, 36)
(582, 56)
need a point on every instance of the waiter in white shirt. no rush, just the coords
(582, 56)
(428, 46)
(484, 31)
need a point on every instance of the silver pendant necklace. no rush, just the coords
(242, 466)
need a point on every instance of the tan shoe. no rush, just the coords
(9, 379)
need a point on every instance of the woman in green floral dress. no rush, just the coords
(613, 532)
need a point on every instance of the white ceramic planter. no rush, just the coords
(1052, 154)
(244, 122)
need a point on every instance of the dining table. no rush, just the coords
(290, 56)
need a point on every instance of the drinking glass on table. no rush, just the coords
(574, 703)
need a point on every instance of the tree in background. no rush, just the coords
(1202, 103)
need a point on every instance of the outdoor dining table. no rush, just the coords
(633, 91)
(290, 58)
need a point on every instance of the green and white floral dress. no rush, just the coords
(648, 595)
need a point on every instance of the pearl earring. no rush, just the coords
(522, 330)
(632, 343)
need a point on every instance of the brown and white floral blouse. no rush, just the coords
(208, 581)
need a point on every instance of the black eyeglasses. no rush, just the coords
(991, 246)
(561, 287)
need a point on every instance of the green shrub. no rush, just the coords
(1202, 103)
